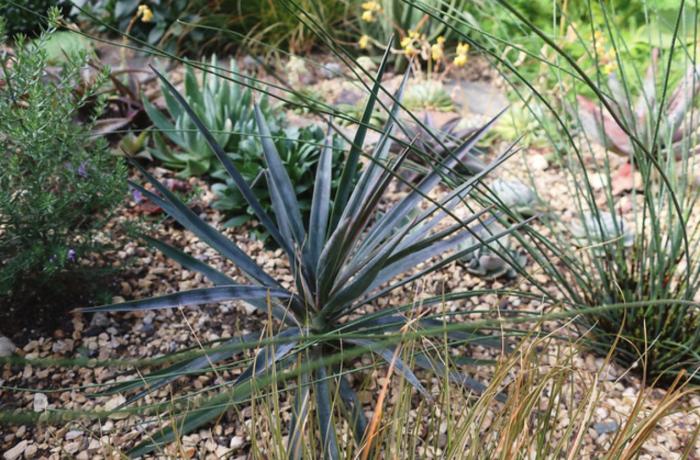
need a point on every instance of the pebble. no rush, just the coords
(41, 402)
(236, 442)
(537, 162)
(16, 451)
(606, 427)
(7, 348)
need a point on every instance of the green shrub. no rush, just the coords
(355, 248)
(54, 178)
(28, 16)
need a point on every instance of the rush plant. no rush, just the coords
(638, 241)
(346, 257)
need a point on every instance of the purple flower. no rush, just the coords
(72, 255)
(82, 170)
(136, 195)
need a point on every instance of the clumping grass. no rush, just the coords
(546, 410)
(638, 253)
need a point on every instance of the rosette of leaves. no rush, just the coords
(347, 255)
(600, 229)
(515, 196)
(640, 117)
(300, 151)
(434, 143)
(226, 108)
(428, 94)
(488, 261)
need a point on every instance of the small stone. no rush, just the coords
(537, 162)
(6, 346)
(72, 447)
(30, 451)
(99, 319)
(236, 442)
(73, 434)
(606, 427)
(16, 451)
(112, 404)
(41, 402)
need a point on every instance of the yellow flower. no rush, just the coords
(145, 13)
(436, 52)
(609, 68)
(372, 6)
(368, 16)
(460, 60)
(363, 41)
(405, 41)
(410, 50)
(441, 40)
(462, 49)
(413, 34)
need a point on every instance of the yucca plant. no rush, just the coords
(347, 256)
(640, 255)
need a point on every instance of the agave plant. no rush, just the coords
(300, 151)
(226, 108)
(345, 257)
(433, 143)
(640, 117)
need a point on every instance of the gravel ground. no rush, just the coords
(135, 336)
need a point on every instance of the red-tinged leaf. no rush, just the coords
(601, 126)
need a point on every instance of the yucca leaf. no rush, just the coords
(357, 419)
(324, 411)
(270, 354)
(407, 204)
(214, 407)
(320, 204)
(302, 400)
(280, 177)
(229, 166)
(188, 219)
(196, 297)
(159, 379)
(189, 262)
(389, 355)
(352, 161)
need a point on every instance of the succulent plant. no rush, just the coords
(599, 229)
(226, 108)
(346, 256)
(638, 116)
(515, 196)
(433, 144)
(486, 262)
(428, 95)
(300, 151)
